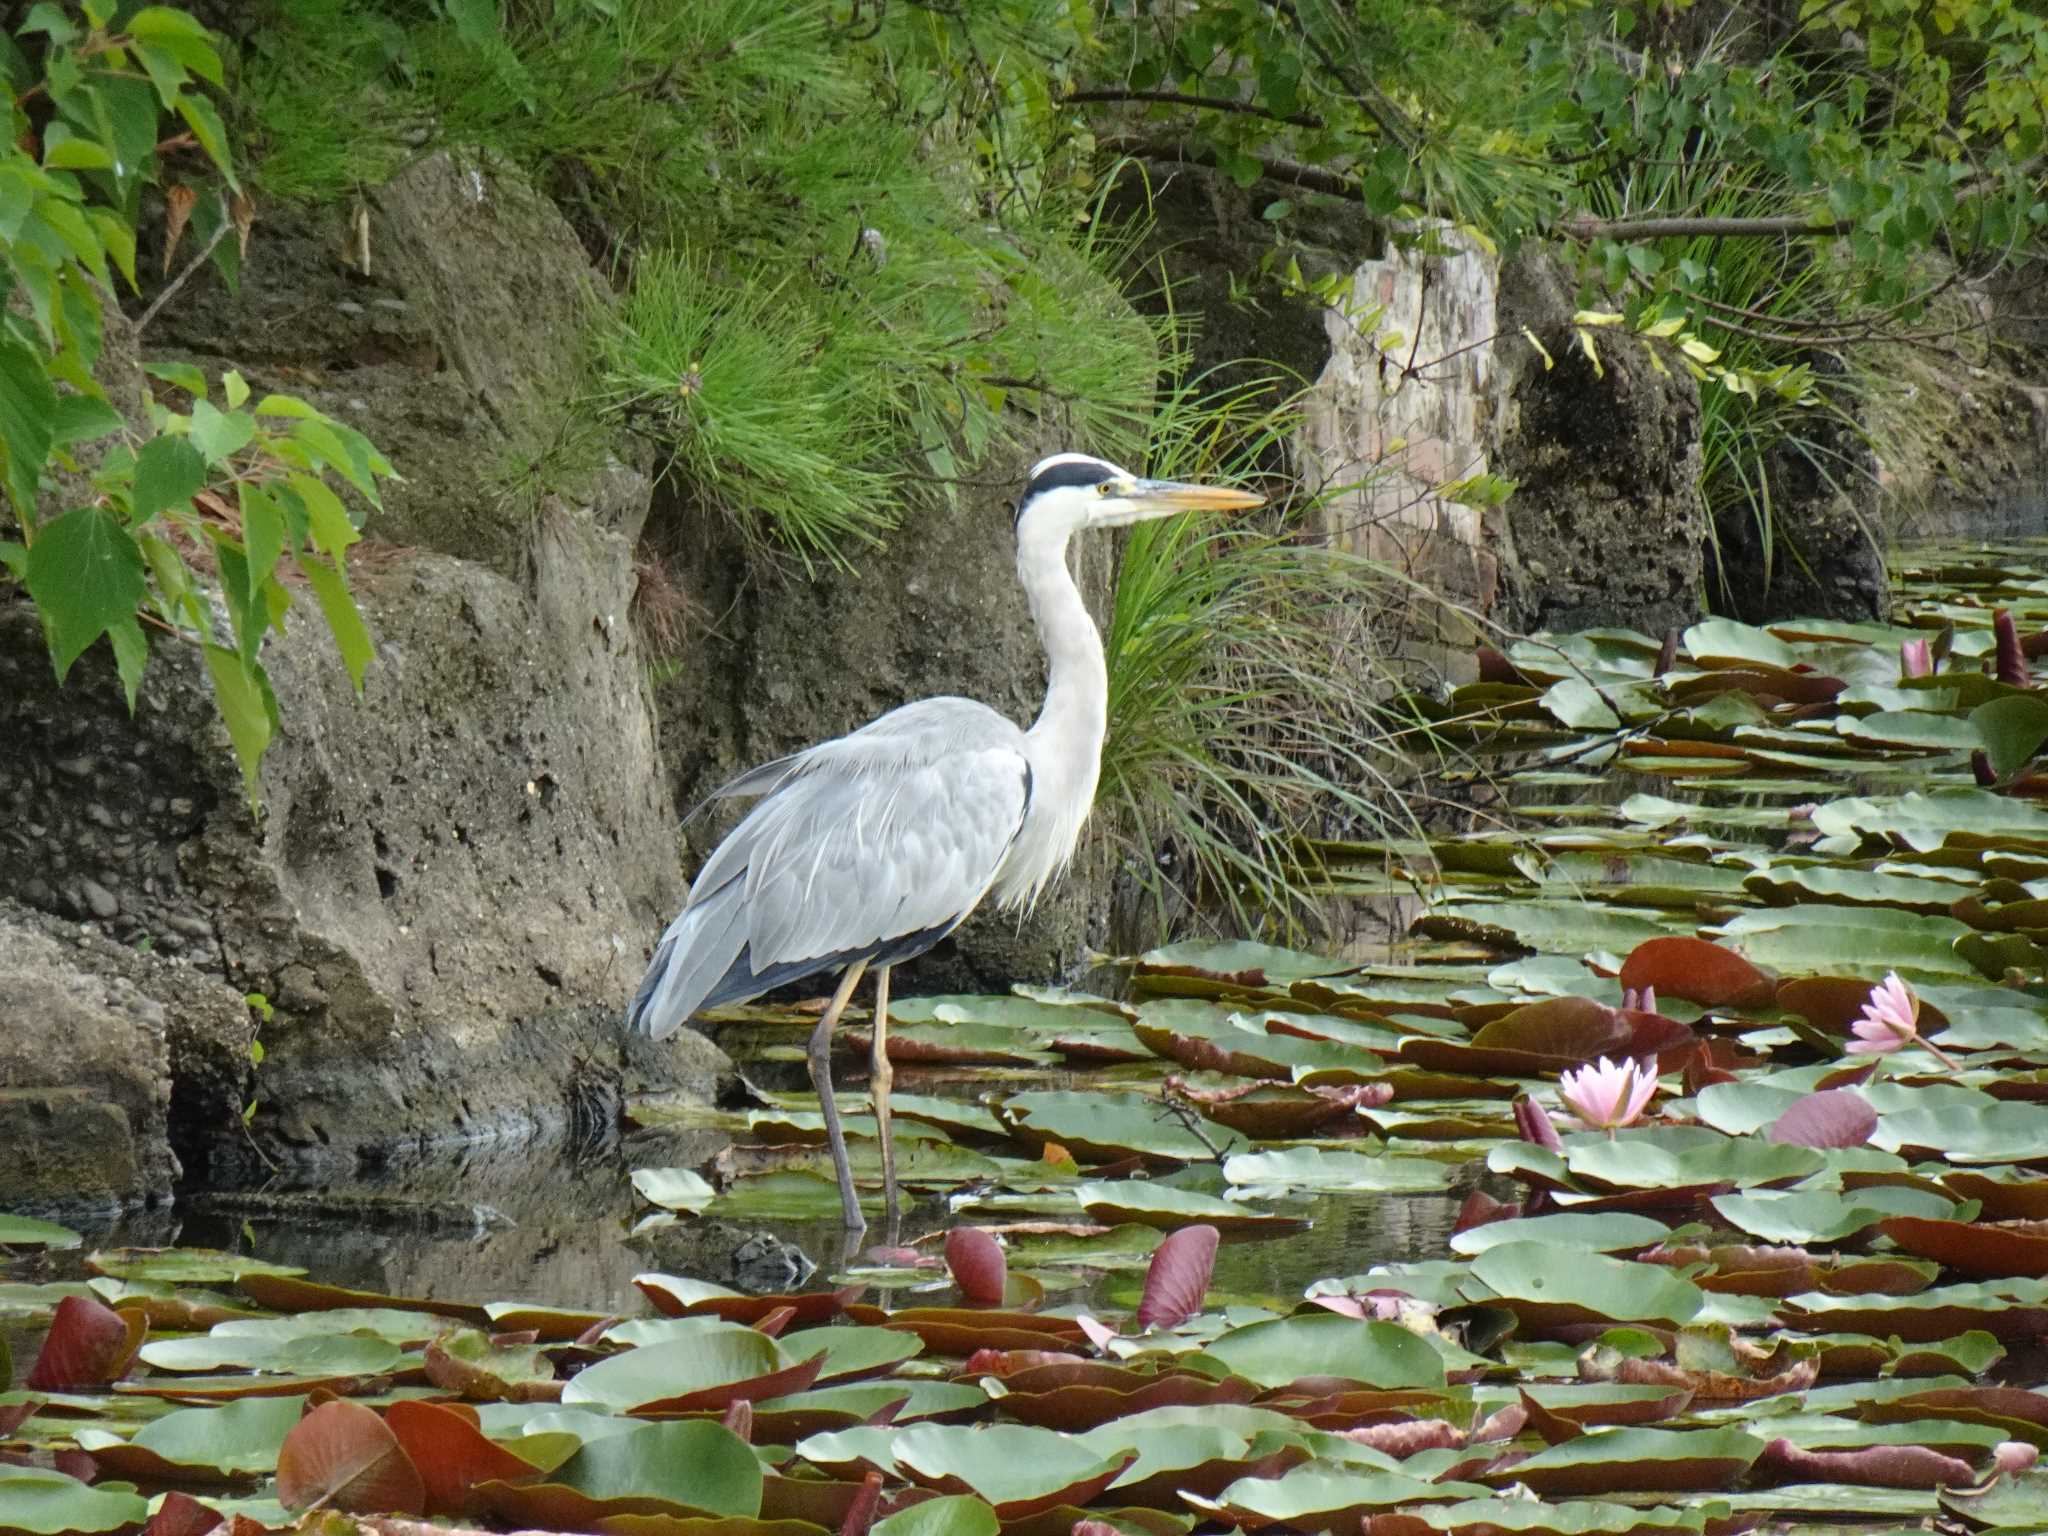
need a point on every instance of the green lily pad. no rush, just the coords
(1265, 1174)
(1549, 1287)
(1288, 1349)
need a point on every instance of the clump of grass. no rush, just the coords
(763, 414)
(1242, 712)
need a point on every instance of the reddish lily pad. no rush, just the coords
(1981, 1249)
(89, 1345)
(1698, 971)
(343, 1456)
(453, 1456)
(674, 1296)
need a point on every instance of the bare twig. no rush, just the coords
(1311, 177)
(1209, 103)
(185, 274)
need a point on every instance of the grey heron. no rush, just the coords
(866, 851)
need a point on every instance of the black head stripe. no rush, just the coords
(1075, 471)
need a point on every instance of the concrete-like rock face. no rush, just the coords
(1604, 463)
(775, 660)
(1605, 526)
(87, 1035)
(453, 880)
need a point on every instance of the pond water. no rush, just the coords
(1811, 1283)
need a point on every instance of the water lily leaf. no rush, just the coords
(710, 1369)
(787, 1195)
(1089, 1393)
(1615, 1232)
(551, 1325)
(189, 1445)
(1854, 940)
(1238, 965)
(977, 1264)
(685, 1467)
(89, 1345)
(673, 1189)
(957, 1043)
(287, 1293)
(2011, 730)
(2005, 1194)
(1980, 1249)
(851, 1353)
(2002, 1133)
(956, 1514)
(1549, 1287)
(1109, 1127)
(1786, 884)
(1323, 1344)
(2017, 1413)
(786, 1420)
(1835, 1117)
(1178, 1277)
(1564, 926)
(307, 1354)
(1186, 1450)
(181, 1266)
(1161, 1205)
(343, 1456)
(1483, 1517)
(45, 1502)
(1263, 1174)
(1637, 1460)
(1320, 1498)
(1803, 1216)
(1696, 970)
(1019, 1469)
(28, 1232)
(1727, 643)
(675, 1296)
(471, 1364)
(452, 1455)
(963, 1330)
(2009, 1310)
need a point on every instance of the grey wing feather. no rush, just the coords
(895, 830)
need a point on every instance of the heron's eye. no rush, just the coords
(1106, 488)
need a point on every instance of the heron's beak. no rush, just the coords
(1162, 498)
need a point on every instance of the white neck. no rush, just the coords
(1064, 745)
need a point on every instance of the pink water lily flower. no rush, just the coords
(1891, 1020)
(1606, 1095)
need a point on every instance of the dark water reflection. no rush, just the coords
(554, 1227)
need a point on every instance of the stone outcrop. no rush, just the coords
(1447, 370)
(453, 880)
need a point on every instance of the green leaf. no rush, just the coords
(131, 656)
(243, 695)
(65, 150)
(344, 618)
(179, 34)
(959, 1514)
(81, 418)
(2012, 730)
(184, 375)
(45, 1503)
(206, 127)
(263, 533)
(220, 435)
(236, 388)
(1286, 1349)
(86, 575)
(167, 473)
(28, 422)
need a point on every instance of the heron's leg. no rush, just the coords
(881, 1078)
(821, 1079)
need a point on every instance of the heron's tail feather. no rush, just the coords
(695, 955)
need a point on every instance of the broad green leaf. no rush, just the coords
(245, 708)
(219, 435)
(86, 575)
(46, 1503)
(28, 411)
(168, 471)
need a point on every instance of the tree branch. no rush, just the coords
(1180, 99)
(1585, 227)
(1313, 178)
